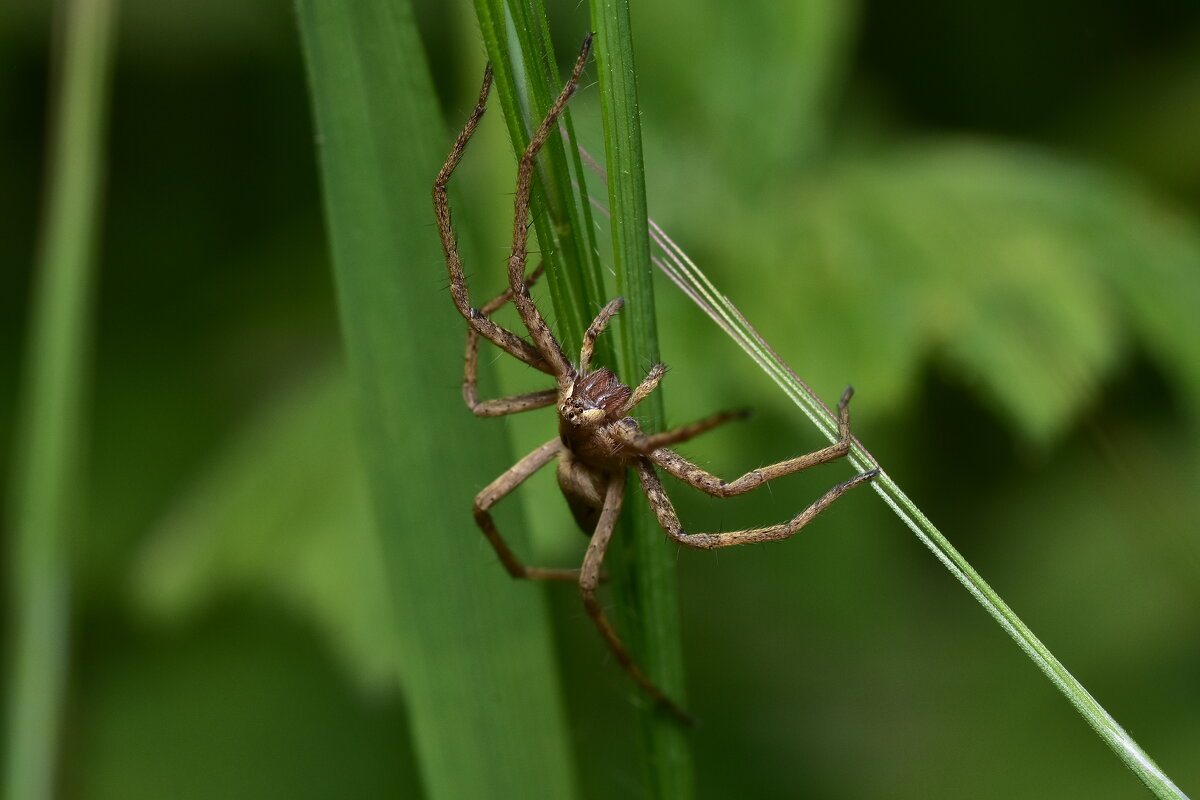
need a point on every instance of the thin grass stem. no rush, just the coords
(46, 466)
(685, 274)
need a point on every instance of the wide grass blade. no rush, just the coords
(476, 662)
(49, 439)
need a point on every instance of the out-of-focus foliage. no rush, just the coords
(1030, 278)
(983, 215)
(281, 507)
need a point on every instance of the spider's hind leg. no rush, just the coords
(664, 510)
(589, 577)
(498, 490)
(708, 483)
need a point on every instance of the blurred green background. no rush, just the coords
(982, 215)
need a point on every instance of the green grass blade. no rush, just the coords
(689, 277)
(49, 426)
(477, 664)
(643, 565)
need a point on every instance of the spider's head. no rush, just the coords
(577, 413)
(593, 399)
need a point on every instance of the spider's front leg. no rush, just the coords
(706, 482)
(501, 337)
(589, 577)
(547, 345)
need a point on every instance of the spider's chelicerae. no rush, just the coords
(597, 443)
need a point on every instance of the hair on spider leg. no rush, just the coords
(598, 444)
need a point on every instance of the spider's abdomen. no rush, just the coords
(583, 487)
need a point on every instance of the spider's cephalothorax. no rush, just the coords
(594, 433)
(598, 442)
(591, 400)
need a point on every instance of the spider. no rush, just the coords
(597, 442)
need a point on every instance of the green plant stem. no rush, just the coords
(643, 568)
(1092, 712)
(49, 440)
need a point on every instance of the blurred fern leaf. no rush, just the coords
(1028, 276)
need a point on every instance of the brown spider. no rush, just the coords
(597, 442)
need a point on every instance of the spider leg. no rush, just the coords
(589, 577)
(651, 442)
(501, 337)
(547, 345)
(669, 520)
(708, 483)
(593, 332)
(501, 405)
(497, 490)
(497, 302)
